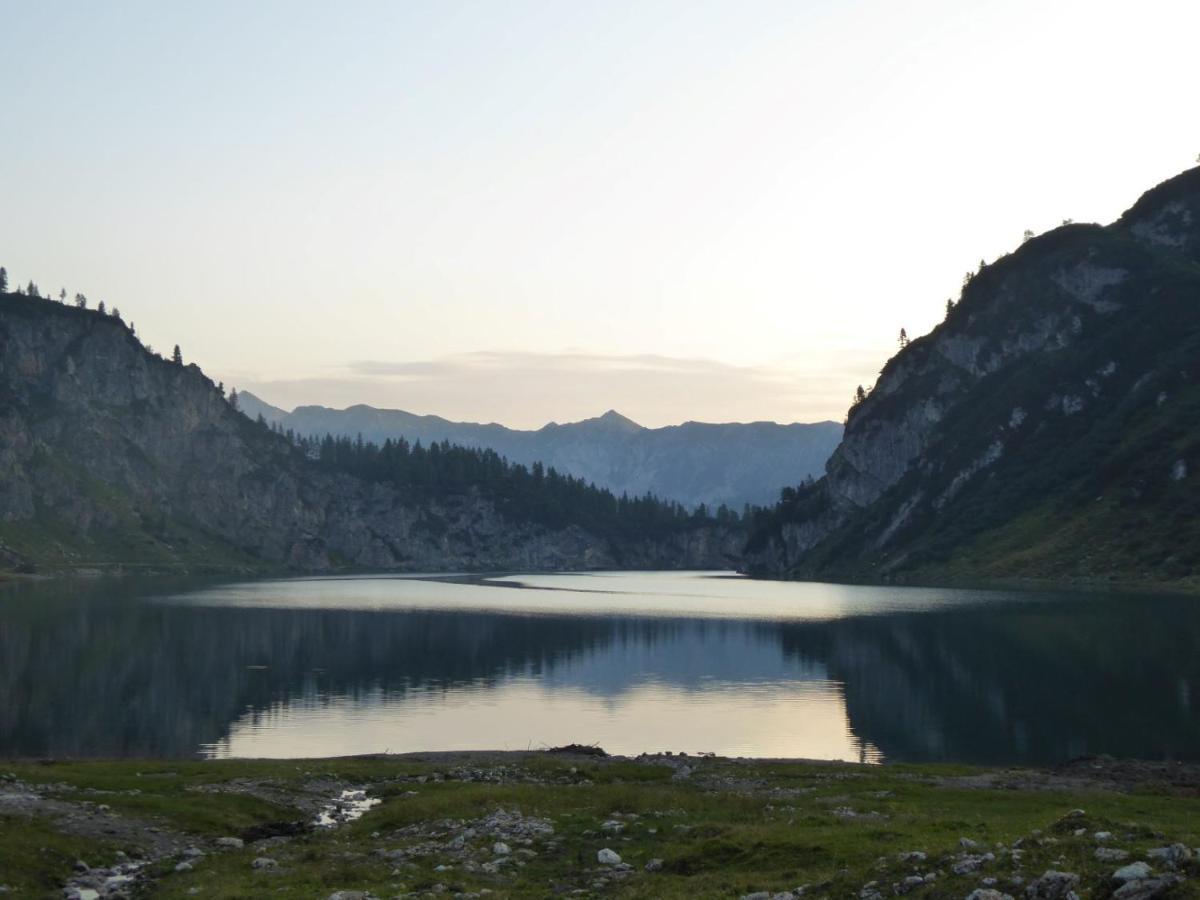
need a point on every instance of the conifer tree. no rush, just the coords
(3, 280)
(100, 308)
(177, 356)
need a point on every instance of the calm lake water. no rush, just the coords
(630, 661)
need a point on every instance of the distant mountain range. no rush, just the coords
(1049, 428)
(696, 462)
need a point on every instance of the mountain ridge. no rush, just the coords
(113, 458)
(731, 463)
(1048, 429)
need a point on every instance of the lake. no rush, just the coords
(695, 662)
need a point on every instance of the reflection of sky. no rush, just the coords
(800, 719)
(639, 690)
(694, 594)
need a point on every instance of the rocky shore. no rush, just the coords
(578, 823)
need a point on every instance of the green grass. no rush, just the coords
(733, 828)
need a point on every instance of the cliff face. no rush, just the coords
(1047, 428)
(110, 455)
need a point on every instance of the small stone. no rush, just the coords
(230, 843)
(1103, 836)
(607, 857)
(348, 895)
(1111, 854)
(613, 827)
(193, 852)
(1052, 885)
(913, 856)
(988, 894)
(183, 867)
(1147, 889)
(655, 865)
(1133, 872)
(501, 849)
(757, 895)
(81, 866)
(783, 895)
(1174, 855)
(263, 862)
(967, 865)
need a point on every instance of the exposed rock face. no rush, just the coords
(1066, 371)
(112, 455)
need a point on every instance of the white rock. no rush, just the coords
(988, 894)
(263, 862)
(230, 843)
(183, 867)
(501, 849)
(607, 857)
(1133, 872)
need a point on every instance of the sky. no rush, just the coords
(536, 211)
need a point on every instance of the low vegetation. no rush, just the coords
(539, 825)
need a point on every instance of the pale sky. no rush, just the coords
(533, 211)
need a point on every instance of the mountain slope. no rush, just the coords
(112, 456)
(693, 463)
(1049, 428)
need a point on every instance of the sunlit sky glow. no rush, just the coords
(525, 212)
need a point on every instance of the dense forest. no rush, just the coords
(536, 493)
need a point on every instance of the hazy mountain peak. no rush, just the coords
(693, 463)
(614, 419)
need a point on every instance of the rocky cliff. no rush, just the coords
(1049, 428)
(112, 456)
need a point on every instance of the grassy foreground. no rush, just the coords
(719, 827)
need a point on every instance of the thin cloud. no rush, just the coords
(529, 389)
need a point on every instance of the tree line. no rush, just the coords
(536, 493)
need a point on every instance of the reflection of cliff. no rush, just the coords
(83, 672)
(1030, 682)
(94, 675)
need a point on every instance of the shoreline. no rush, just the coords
(1076, 585)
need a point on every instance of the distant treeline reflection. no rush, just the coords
(88, 671)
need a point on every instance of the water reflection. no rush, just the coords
(644, 662)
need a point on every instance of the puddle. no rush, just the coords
(346, 807)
